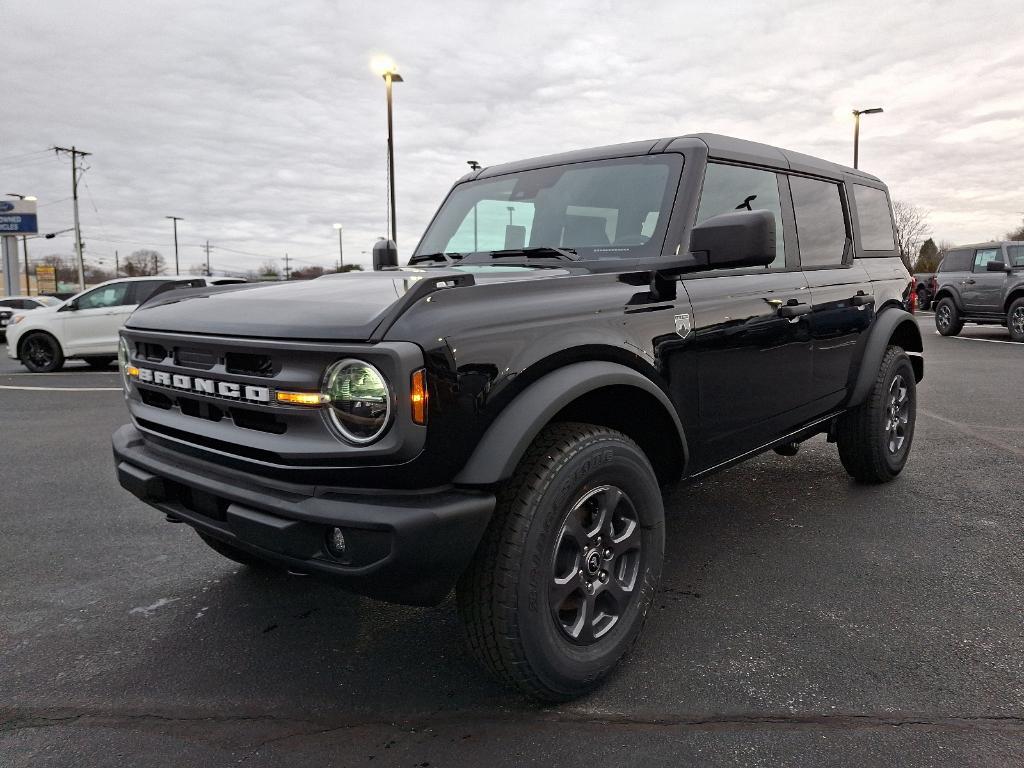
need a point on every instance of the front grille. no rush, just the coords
(153, 353)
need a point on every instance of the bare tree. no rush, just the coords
(1016, 234)
(911, 227)
(143, 262)
(269, 269)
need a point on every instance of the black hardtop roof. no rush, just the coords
(987, 244)
(720, 147)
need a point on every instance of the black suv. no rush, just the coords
(983, 284)
(571, 334)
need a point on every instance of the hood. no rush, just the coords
(354, 306)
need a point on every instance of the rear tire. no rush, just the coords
(947, 318)
(922, 299)
(237, 555)
(1015, 320)
(41, 353)
(98, 362)
(560, 586)
(874, 438)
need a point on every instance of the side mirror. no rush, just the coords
(385, 254)
(996, 266)
(735, 239)
(70, 306)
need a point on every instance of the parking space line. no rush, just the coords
(63, 373)
(62, 389)
(971, 431)
(990, 341)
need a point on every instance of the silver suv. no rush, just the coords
(983, 284)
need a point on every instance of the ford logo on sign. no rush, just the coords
(6, 206)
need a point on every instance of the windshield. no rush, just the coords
(48, 301)
(605, 207)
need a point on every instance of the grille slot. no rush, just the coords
(248, 364)
(155, 399)
(258, 420)
(200, 409)
(194, 358)
(154, 353)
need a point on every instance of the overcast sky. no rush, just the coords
(261, 123)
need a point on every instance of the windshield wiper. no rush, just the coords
(538, 252)
(444, 258)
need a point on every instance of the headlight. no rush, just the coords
(16, 319)
(360, 400)
(124, 359)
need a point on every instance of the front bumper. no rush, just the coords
(402, 547)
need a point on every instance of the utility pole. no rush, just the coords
(117, 265)
(287, 269)
(75, 154)
(28, 285)
(175, 219)
(207, 248)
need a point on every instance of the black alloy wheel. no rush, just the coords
(595, 563)
(1015, 320)
(41, 353)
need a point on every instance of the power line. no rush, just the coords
(25, 154)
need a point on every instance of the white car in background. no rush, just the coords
(86, 326)
(12, 305)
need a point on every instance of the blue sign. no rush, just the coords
(6, 205)
(18, 223)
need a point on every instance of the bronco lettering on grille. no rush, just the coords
(214, 387)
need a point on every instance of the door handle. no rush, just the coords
(968, 282)
(794, 309)
(862, 300)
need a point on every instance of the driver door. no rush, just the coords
(92, 326)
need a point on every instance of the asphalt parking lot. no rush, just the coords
(803, 620)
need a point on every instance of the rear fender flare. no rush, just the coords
(891, 326)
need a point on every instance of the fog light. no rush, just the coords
(336, 542)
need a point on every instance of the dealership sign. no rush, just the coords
(18, 217)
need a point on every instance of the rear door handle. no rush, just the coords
(794, 310)
(968, 282)
(862, 300)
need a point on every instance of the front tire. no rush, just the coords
(560, 586)
(1015, 320)
(41, 353)
(947, 318)
(874, 438)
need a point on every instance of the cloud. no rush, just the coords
(261, 124)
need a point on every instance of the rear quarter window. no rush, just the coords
(957, 261)
(820, 222)
(874, 217)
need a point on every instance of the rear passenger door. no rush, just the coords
(753, 362)
(840, 288)
(983, 290)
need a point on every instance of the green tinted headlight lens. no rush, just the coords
(360, 400)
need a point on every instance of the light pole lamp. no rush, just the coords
(386, 68)
(175, 219)
(341, 254)
(856, 129)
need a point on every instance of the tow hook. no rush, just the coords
(787, 449)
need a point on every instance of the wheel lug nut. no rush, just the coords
(603, 576)
(607, 554)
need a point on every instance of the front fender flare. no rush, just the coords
(890, 324)
(511, 433)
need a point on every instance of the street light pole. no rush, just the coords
(856, 130)
(175, 219)
(474, 166)
(386, 68)
(341, 254)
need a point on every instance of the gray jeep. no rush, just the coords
(983, 284)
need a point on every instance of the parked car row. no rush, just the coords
(10, 305)
(85, 326)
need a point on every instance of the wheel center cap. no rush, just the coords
(593, 562)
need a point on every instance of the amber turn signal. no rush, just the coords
(302, 398)
(418, 396)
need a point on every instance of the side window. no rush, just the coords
(1015, 254)
(730, 188)
(144, 289)
(874, 217)
(820, 223)
(105, 296)
(983, 256)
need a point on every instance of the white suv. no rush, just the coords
(86, 326)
